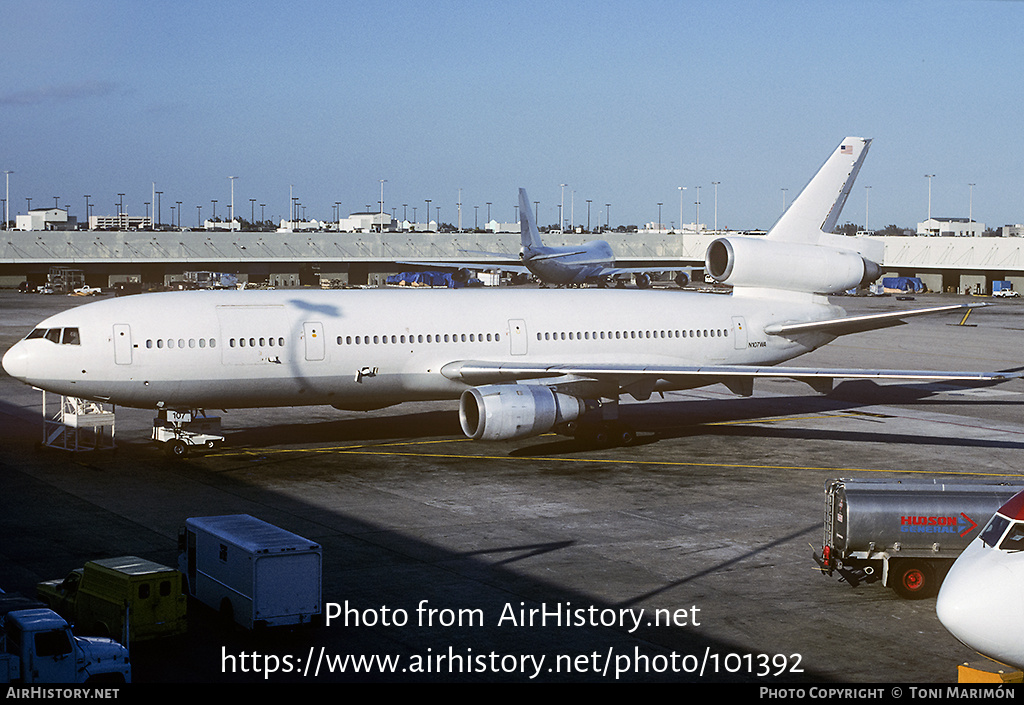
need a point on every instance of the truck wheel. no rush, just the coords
(176, 449)
(914, 580)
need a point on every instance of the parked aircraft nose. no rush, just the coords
(978, 603)
(15, 362)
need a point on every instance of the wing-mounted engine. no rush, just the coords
(499, 412)
(791, 266)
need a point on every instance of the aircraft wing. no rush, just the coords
(613, 271)
(481, 266)
(859, 324)
(632, 379)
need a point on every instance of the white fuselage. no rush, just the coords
(569, 265)
(361, 349)
(981, 601)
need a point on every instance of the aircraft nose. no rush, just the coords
(15, 362)
(978, 605)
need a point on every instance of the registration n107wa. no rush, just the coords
(521, 362)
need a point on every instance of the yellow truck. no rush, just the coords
(98, 598)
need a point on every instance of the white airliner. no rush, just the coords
(521, 362)
(981, 601)
(590, 263)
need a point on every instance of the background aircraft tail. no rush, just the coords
(528, 233)
(816, 210)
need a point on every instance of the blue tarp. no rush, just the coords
(423, 279)
(910, 284)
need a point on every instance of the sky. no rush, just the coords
(624, 102)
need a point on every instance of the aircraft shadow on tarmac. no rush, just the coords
(730, 417)
(655, 421)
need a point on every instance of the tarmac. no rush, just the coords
(687, 557)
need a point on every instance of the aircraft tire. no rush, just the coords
(914, 580)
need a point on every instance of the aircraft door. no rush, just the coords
(313, 338)
(517, 336)
(122, 344)
(739, 333)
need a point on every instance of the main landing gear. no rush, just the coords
(181, 431)
(601, 427)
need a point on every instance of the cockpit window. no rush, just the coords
(1014, 540)
(991, 534)
(61, 336)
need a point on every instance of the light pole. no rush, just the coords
(970, 206)
(681, 189)
(560, 206)
(696, 223)
(426, 225)
(659, 217)
(87, 196)
(231, 208)
(7, 200)
(179, 214)
(930, 177)
(867, 202)
(382, 182)
(716, 205)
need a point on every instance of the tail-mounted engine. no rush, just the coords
(792, 266)
(499, 412)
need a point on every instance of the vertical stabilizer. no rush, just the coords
(817, 208)
(528, 233)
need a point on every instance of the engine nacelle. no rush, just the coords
(791, 266)
(501, 412)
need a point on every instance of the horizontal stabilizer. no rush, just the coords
(859, 324)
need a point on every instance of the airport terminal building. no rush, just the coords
(332, 258)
